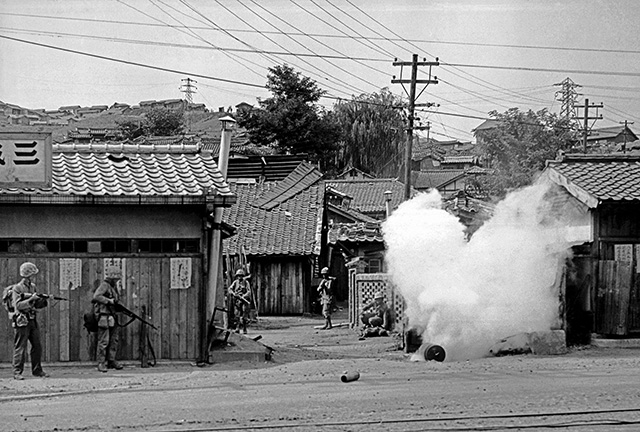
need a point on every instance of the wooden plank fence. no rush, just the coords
(176, 312)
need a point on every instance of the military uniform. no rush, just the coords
(25, 303)
(105, 296)
(240, 292)
(326, 297)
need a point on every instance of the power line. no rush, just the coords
(333, 36)
(532, 69)
(132, 63)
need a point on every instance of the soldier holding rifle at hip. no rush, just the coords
(104, 300)
(240, 293)
(22, 312)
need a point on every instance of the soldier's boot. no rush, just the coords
(113, 364)
(326, 324)
(102, 367)
(244, 327)
(329, 325)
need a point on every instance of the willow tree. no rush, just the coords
(372, 128)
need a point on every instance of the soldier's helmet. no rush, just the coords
(239, 272)
(378, 295)
(325, 270)
(112, 272)
(28, 269)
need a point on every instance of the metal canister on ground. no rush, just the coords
(432, 352)
(348, 376)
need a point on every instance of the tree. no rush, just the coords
(291, 120)
(131, 129)
(372, 132)
(518, 147)
(164, 122)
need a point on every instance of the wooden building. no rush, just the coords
(145, 208)
(278, 237)
(603, 278)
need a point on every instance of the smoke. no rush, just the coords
(467, 295)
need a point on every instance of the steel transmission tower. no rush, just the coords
(568, 96)
(188, 89)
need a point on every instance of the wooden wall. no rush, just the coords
(281, 285)
(176, 312)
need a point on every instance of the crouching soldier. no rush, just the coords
(378, 321)
(104, 299)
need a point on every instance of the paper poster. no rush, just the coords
(121, 263)
(638, 258)
(180, 273)
(70, 273)
(623, 252)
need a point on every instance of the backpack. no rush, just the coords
(7, 299)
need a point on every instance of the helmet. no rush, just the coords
(28, 269)
(112, 272)
(239, 272)
(378, 295)
(325, 270)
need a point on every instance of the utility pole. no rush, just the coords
(188, 89)
(624, 144)
(586, 118)
(412, 106)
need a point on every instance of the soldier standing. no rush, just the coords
(240, 293)
(104, 298)
(25, 301)
(326, 297)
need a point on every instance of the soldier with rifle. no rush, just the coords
(22, 301)
(105, 298)
(240, 293)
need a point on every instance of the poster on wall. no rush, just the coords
(70, 273)
(180, 273)
(638, 258)
(121, 263)
(623, 252)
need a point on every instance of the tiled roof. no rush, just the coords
(368, 194)
(434, 178)
(611, 133)
(267, 167)
(355, 232)
(301, 178)
(130, 170)
(350, 213)
(290, 228)
(594, 178)
(460, 159)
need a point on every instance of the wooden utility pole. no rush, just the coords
(413, 82)
(585, 128)
(626, 128)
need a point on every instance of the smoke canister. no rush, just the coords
(349, 376)
(433, 352)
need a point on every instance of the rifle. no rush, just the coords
(52, 297)
(120, 308)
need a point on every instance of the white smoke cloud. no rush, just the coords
(467, 295)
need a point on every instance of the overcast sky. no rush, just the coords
(494, 54)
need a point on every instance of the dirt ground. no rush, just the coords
(300, 389)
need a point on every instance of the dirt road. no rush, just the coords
(300, 390)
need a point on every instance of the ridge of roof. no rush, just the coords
(301, 178)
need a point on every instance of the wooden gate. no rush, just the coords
(613, 297)
(147, 282)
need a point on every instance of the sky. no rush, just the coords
(493, 54)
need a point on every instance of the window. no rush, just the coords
(374, 265)
(121, 246)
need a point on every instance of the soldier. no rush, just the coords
(379, 319)
(326, 297)
(25, 301)
(105, 296)
(240, 293)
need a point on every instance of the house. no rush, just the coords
(613, 137)
(145, 208)
(480, 132)
(278, 238)
(368, 196)
(603, 278)
(351, 173)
